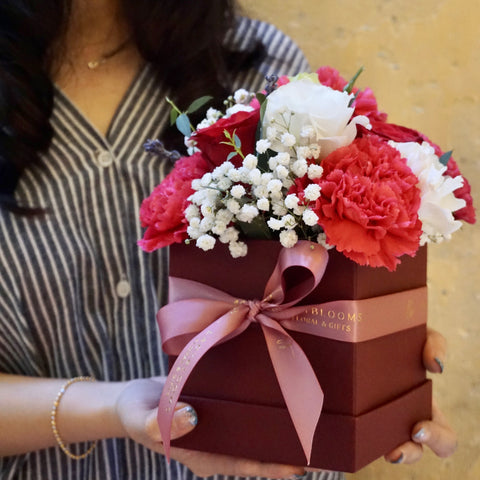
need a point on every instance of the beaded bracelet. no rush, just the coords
(53, 419)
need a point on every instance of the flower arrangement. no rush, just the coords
(310, 158)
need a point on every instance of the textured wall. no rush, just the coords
(422, 59)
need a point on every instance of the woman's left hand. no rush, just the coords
(435, 434)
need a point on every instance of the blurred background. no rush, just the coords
(422, 60)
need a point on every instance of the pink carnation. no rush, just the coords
(369, 203)
(163, 211)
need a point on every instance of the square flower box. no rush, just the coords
(374, 390)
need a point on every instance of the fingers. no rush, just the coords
(408, 453)
(434, 351)
(436, 434)
(184, 421)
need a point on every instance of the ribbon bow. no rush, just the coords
(218, 317)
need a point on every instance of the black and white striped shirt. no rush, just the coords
(77, 296)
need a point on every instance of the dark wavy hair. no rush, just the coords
(193, 29)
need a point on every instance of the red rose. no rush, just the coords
(209, 140)
(163, 211)
(369, 203)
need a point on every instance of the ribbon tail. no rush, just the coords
(228, 324)
(299, 385)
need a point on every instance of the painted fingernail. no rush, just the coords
(421, 435)
(398, 460)
(299, 477)
(188, 414)
(440, 364)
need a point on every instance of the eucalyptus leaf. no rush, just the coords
(173, 116)
(238, 142)
(183, 124)
(231, 155)
(198, 103)
(445, 158)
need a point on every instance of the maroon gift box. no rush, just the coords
(375, 390)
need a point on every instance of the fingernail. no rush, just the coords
(440, 364)
(299, 477)
(188, 415)
(421, 435)
(398, 460)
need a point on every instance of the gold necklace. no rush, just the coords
(94, 64)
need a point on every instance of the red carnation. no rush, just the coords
(369, 203)
(163, 211)
(209, 140)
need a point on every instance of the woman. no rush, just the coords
(77, 297)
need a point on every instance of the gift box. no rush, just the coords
(374, 383)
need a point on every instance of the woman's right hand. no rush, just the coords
(137, 406)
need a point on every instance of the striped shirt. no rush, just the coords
(77, 296)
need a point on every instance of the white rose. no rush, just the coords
(301, 104)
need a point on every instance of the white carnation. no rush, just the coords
(437, 199)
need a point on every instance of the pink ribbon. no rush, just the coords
(200, 317)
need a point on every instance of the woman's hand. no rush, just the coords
(435, 434)
(136, 408)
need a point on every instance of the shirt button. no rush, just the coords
(104, 158)
(123, 289)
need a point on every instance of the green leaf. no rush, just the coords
(263, 107)
(231, 155)
(349, 86)
(257, 228)
(445, 157)
(198, 103)
(183, 124)
(261, 98)
(173, 116)
(238, 142)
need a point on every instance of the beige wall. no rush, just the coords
(422, 59)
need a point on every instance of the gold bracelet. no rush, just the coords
(53, 419)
